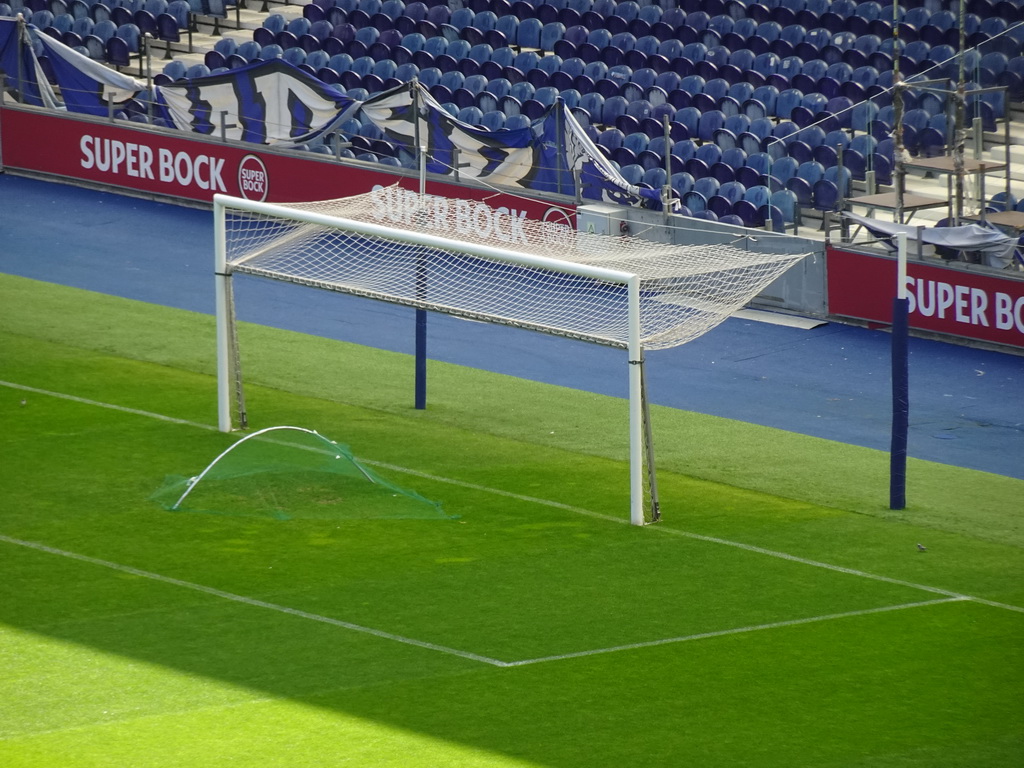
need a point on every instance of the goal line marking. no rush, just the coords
(249, 601)
(736, 631)
(558, 505)
(108, 406)
(34, 545)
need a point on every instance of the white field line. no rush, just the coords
(249, 601)
(736, 631)
(445, 649)
(697, 536)
(110, 406)
(559, 505)
(949, 595)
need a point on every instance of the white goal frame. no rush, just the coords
(226, 352)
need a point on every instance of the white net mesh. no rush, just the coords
(684, 290)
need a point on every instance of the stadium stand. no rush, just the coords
(745, 88)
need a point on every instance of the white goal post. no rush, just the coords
(619, 291)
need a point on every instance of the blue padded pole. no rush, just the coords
(900, 385)
(421, 277)
(421, 359)
(900, 407)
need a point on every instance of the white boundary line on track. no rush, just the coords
(949, 595)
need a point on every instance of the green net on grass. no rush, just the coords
(291, 473)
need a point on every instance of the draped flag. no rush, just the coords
(19, 65)
(266, 102)
(453, 147)
(599, 179)
(86, 85)
(996, 248)
(541, 157)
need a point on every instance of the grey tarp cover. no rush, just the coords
(995, 247)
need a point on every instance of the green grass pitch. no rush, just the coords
(780, 615)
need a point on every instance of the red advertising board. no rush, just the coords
(985, 306)
(173, 164)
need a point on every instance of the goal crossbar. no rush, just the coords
(244, 266)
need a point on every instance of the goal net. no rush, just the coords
(438, 254)
(292, 473)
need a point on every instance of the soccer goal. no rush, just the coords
(431, 253)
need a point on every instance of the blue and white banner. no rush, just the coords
(541, 157)
(266, 102)
(86, 85)
(598, 177)
(501, 158)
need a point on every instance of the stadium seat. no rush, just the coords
(695, 202)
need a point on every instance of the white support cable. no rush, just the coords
(193, 482)
(906, 84)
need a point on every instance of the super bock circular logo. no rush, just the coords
(557, 215)
(253, 179)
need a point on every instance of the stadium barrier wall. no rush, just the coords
(181, 167)
(978, 306)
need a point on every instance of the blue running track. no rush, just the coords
(966, 405)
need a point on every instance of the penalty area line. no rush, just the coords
(251, 601)
(558, 505)
(735, 631)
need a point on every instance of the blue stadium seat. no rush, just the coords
(825, 196)
(720, 206)
(632, 173)
(175, 69)
(802, 190)
(684, 149)
(295, 56)
(655, 177)
(636, 142)
(118, 51)
(707, 186)
(810, 171)
(732, 191)
(709, 122)
(550, 33)
(613, 107)
(695, 202)
(786, 202)
(681, 182)
(528, 33)
(493, 120)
